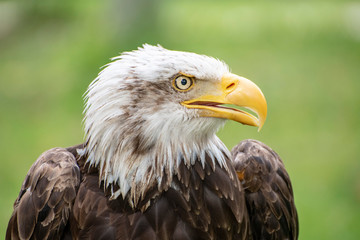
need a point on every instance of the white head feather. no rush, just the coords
(137, 132)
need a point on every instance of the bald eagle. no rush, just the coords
(152, 166)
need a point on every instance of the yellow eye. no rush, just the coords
(183, 83)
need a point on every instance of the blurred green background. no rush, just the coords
(304, 55)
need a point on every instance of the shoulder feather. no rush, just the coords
(42, 208)
(268, 191)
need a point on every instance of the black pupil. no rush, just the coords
(183, 81)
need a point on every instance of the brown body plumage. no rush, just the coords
(204, 203)
(173, 186)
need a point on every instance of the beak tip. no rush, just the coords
(261, 122)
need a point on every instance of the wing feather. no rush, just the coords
(268, 191)
(42, 208)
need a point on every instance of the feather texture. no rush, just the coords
(201, 203)
(44, 204)
(191, 208)
(268, 191)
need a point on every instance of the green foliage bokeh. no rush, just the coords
(304, 55)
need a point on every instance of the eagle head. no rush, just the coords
(152, 108)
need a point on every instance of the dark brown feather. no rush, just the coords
(43, 206)
(191, 208)
(268, 191)
(61, 198)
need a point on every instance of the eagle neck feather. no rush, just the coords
(135, 174)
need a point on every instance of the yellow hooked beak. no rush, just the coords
(234, 90)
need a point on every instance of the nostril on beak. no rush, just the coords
(230, 87)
